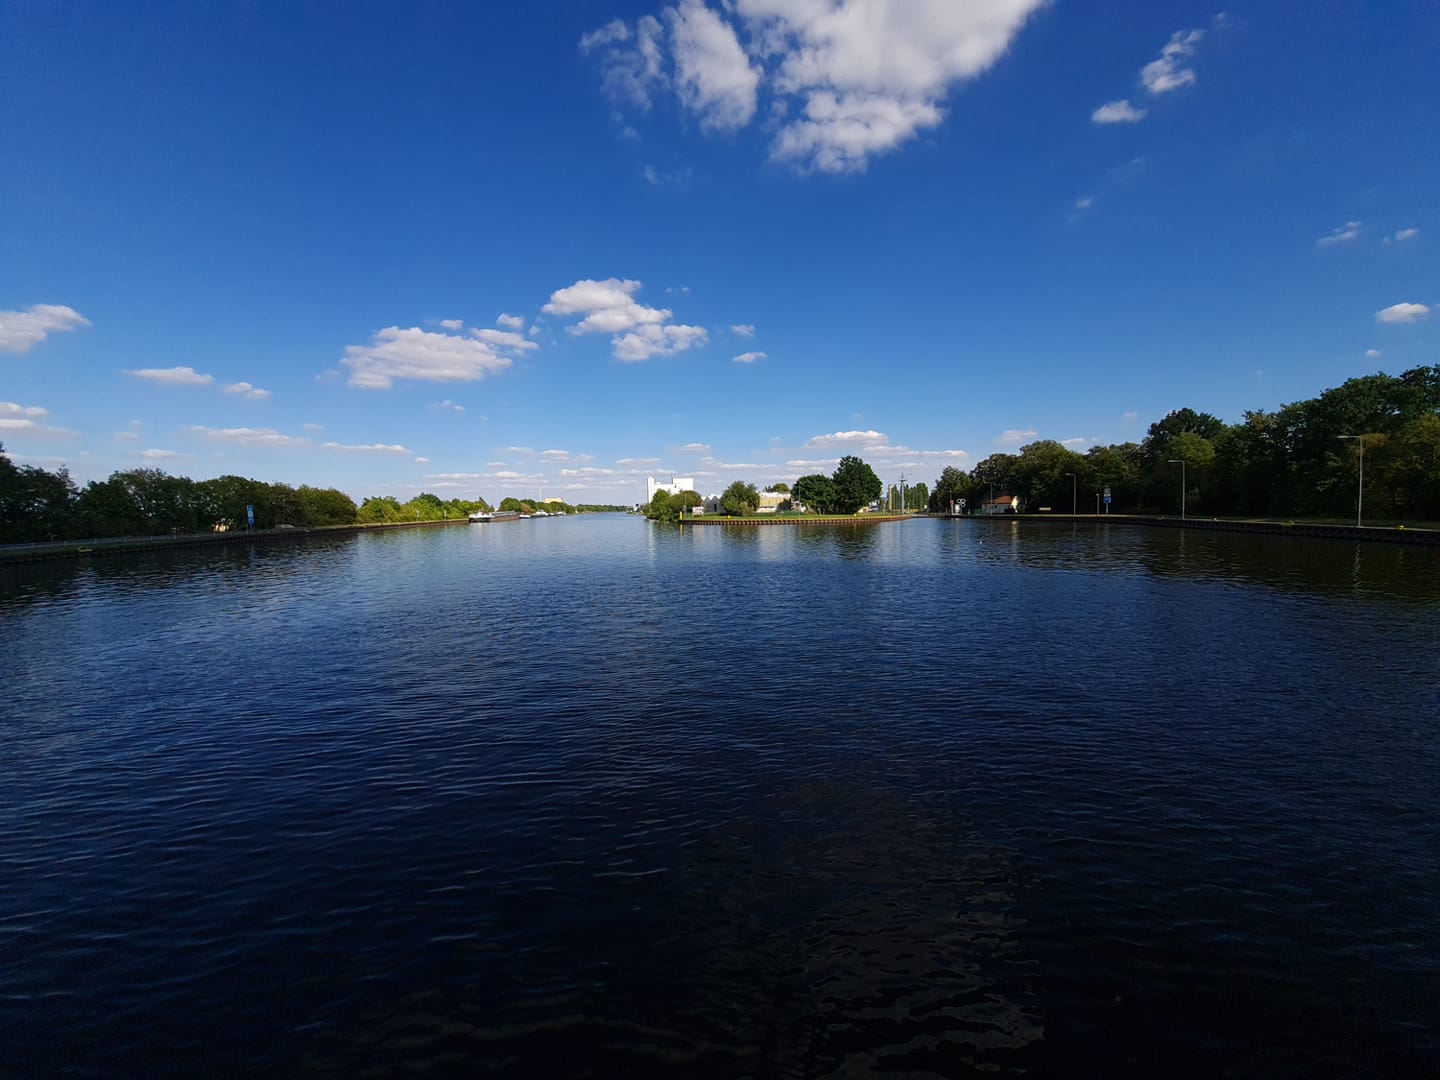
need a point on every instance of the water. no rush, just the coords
(591, 797)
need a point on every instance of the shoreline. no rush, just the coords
(819, 519)
(1386, 534)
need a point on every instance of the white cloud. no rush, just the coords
(847, 440)
(631, 61)
(749, 357)
(608, 306)
(448, 406)
(742, 330)
(691, 448)
(1407, 234)
(1085, 203)
(1117, 112)
(1129, 417)
(422, 461)
(848, 78)
(126, 436)
(1078, 441)
(1372, 354)
(17, 425)
(419, 354)
(1011, 436)
(173, 376)
(1402, 313)
(372, 448)
(555, 455)
(638, 461)
(10, 408)
(21, 330)
(510, 322)
(245, 436)
(646, 341)
(1168, 72)
(161, 455)
(527, 451)
(250, 393)
(713, 76)
(453, 324)
(504, 339)
(313, 427)
(1340, 234)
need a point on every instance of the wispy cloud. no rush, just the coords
(22, 330)
(244, 436)
(749, 357)
(1406, 234)
(245, 390)
(161, 455)
(1011, 436)
(742, 330)
(368, 448)
(1402, 313)
(1117, 112)
(1340, 234)
(10, 408)
(420, 355)
(173, 376)
(847, 80)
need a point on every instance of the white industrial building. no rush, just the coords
(676, 485)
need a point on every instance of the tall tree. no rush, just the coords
(855, 485)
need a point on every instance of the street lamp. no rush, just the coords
(1178, 461)
(1074, 494)
(1360, 497)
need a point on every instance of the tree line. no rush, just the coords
(37, 504)
(1302, 460)
(852, 485)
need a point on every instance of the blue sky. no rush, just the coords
(498, 249)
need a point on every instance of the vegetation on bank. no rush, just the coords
(1292, 463)
(851, 486)
(38, 505)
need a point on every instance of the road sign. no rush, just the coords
(250, 516)
(1107, 498)
(1107, 491)
(961, 501)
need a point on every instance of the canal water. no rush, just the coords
(594, 797)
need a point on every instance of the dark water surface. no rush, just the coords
(590, 797)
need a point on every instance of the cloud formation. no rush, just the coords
(245, 390)
(848, 79)
(1117, 112)
(1166, 73)
(742, 330)
(1406, 234)
(371, 448)
(749, 357)
(173, 376)
(10, 408)
(244, 436)
(1340, 234)
(423, 356)
(1402, 313)
(609, 307)
(22, 330)
(1011, 436)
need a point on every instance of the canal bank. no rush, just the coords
(73, 549)
(1389, 534)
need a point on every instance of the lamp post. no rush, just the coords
(1181, 463)
(1097, 504)
(1074, 494)
(1360, 496)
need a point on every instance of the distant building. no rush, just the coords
(676, 485)
(771, 501)
(1001, 504)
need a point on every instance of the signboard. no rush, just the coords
(250, 516)
(962, 503)
(1107, 500)
(1107, 494)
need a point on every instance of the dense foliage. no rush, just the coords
(1290, 463)
(852, 485)
(36, 504)
(667, 507)
(739, 499)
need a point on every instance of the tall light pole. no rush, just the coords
(1074, 494)
(1360, 497)
(1178, 461)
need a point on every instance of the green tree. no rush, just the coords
(816, 493)
(855, 485)
(782, 488)
(325, 506)
(1040, 477)
(739, 499)
(951, 486)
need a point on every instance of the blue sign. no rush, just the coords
(250, 516)
(1107, 500)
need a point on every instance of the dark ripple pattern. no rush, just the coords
(590, 797)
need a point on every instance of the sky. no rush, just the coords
(487, 250)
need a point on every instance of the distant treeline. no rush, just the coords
(36, 504)
(1294, 462)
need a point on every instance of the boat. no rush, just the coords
(481, 517)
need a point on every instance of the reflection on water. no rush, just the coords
(596, 797)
